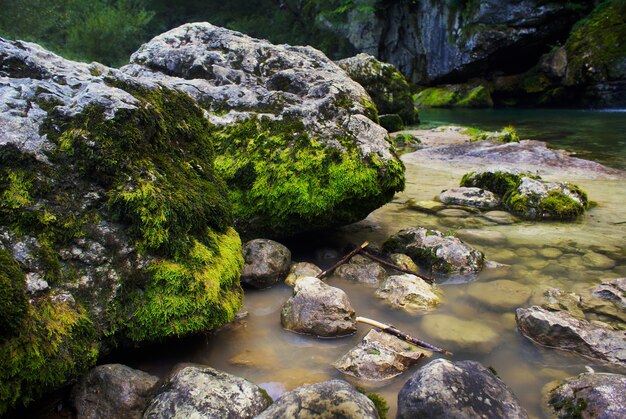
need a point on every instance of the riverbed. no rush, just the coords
(541, 255)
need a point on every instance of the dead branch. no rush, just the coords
(394, 266)
(343, 260)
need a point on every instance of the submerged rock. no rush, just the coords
(363, 270)
(482, 236)
(300, 270)
(409, 292)
(467, 335)
(318, 309)
(112, 391)
(108, 185)
(432, 249)
(296, 139)
(471, 197)
(563, 331)
(388, 88)
(501, 294)
(199, 391)
(379, 356)
(444, 389)
(595, 260)
(332, 399)
(266, 263)
(589, 395)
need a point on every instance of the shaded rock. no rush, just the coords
(409, 292)
(361, 269)
(614, 290)
(589, 395)
(467, 335)
(444, 389)
(266, 263)
(379, 356)
(471, 197)
(403, 261)
(432, 249)
(563, 331)
(300, 270)
(199, 391)
(484, 237)
(261, 97)
(595, 260)
(332, 399)
(501, 294)
(500, 217)
(391, 122)
(318, 309)
(388, 88)
(112, 391)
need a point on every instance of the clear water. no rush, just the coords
(261, 351)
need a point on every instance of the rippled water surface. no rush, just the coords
(473, 323)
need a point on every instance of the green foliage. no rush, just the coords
(436, 97)
(55, 343)
(281, 179)
(13, 303)
(508, 134)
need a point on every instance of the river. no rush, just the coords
(542, 255)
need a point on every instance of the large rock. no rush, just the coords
(409, 292)
(318, 309)
(296, 138)
(589, 395)
(388, 88)
(107, 184)
(266, 263)
(203, 392)
(379, 356)
(563, 331)
(471, 197)
(112, 391)
(444, 389)
(330, 399)
(362, 270)
(436, 251)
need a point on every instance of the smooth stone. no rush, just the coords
(266, 263)
(559, 300)
(484, 237)
(362, 270)
(500, 217)
(471, 197)
(300, 270)
(408, 292)
(467, 335)
(525, 252)
(597, 261)
(495, 270)
(501, 294)
(261, 358)
(551, 252)
(429, 207)
(291, 378)
(462, 389)
(453, 212)
(379, 356)
(505, 256)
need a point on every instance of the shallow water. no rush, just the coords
(541, 255)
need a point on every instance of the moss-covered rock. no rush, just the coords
(297, 140)
(109, 194)
(451, 95)
(387, 86)
(391, 122)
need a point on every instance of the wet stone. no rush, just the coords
(429, 207)
(300, 270)
(525, 252)
(471, 197)
(614, 290)
(504, 256)
(379, 356)
(466, 335)
(495, 270)
(484, 237)
(403, 261)
(453, 212)
(595, 260)
(500, 217)
(551, 252)
(501, 294)
(266, 263)
(409, 292)
(362, 270)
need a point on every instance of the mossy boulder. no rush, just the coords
(109, 194)
(297, 140)
(455, 95)
(391, 122)
(529, 196)
(387, 86)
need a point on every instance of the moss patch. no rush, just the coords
(391, 122)
(497, 182)
(448, 96)
(281, 179)
(13, 303)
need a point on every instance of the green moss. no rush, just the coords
(13, 303)
(382, 407)
(436, 97)
(461, 95)
(569, 408)
(498, 182)
(392, 122)
(507, 135)
(478, 97)
(55, 344)
(189, 294)
(281, 179)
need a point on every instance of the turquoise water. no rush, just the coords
(598, 135)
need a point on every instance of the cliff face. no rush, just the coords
(434, 41)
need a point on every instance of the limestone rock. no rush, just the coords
(557, 300)
(471, 197)
(430, 248)
(266, 263)
(563, 331)
(300, 270)
(444, 389)
(112, 391)
(318, 309)
(409, 292)
(363, 270)
(589, 395)
(291, 128)
(379, 356)
(388, 88)
(614, 290)
(200, 391)
(501, 294)
(332, 399)
(451, 331)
